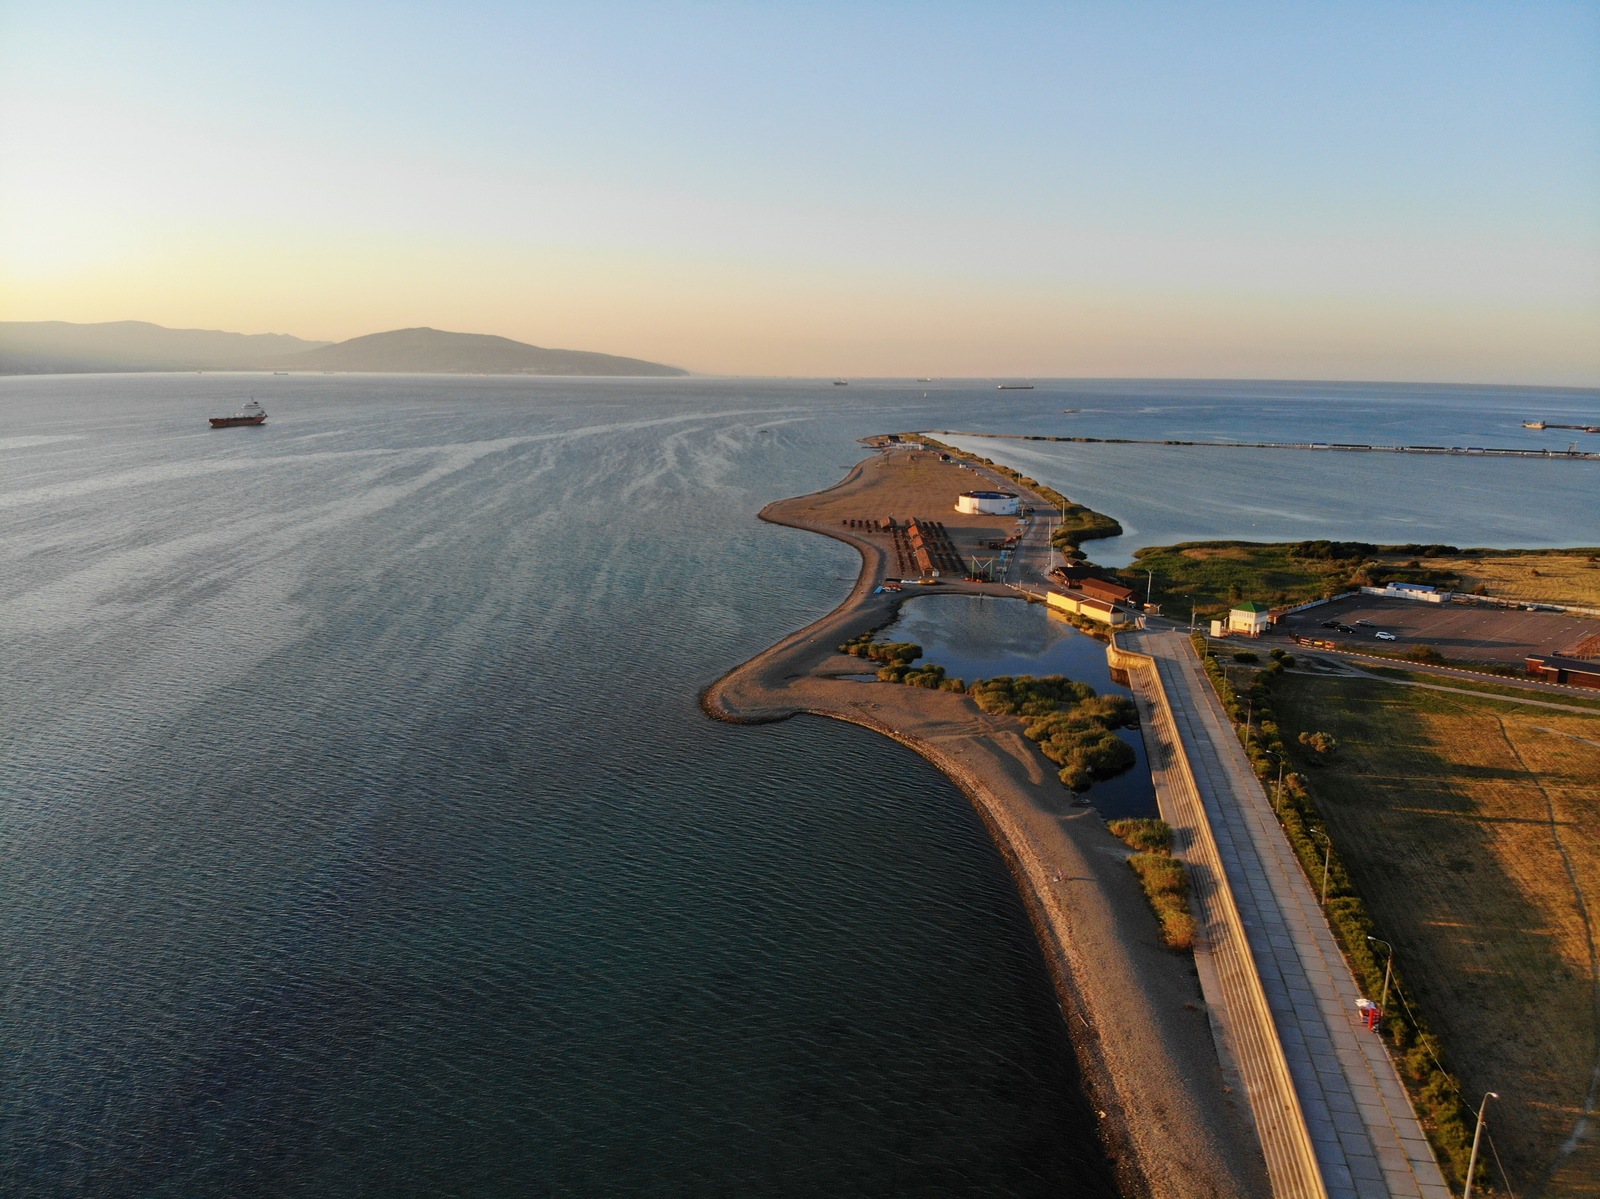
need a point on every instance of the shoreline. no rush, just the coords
(1169, 1124)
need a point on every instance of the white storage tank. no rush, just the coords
(989, 503)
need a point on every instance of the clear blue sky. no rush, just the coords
(1315, 190)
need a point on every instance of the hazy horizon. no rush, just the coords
(1373, 192)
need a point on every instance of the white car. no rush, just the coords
(1386, 637)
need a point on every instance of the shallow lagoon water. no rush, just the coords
(982, 637)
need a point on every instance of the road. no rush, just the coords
(1366, 1139)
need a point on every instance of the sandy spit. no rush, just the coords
(1169, 1123)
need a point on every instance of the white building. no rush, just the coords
(1249, 618)
(989, 503)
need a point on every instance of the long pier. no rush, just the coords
(1346, 447)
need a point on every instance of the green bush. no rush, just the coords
(1025, 695)
(864, 646)
(1166, 886)
(1163, 878)
(1143, 833)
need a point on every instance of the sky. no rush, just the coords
(1339, 190)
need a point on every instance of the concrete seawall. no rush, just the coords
(1244, 1027)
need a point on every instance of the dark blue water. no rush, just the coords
(361, 834)
(982, 637)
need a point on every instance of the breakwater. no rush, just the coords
(1346, 447)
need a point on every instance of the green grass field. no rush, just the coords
(1568, 698)
(1471, 827)
(1214, 574)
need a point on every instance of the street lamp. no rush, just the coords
(1326, 855)
(1388, 970)
(1149, 585)
(1277, 792)
(1477, 1136)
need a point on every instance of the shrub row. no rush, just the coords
(1163, 877)
(1435, 1092)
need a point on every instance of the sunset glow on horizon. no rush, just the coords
(1406, 192)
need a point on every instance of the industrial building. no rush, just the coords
(1084, 606)
(1111, 593)
(1574, 672)
(988, 503)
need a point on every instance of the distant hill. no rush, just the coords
(59, 348)
(434, 352)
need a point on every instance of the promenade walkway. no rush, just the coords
(1342, 1102)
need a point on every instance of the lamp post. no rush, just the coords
(1326, 855)
(1149, 585)
(1277, 792)
(1388, 971)
(1192, 607)
(1472, 1162)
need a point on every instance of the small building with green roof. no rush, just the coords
(1250, 618)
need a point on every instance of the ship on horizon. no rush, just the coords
(251, 414)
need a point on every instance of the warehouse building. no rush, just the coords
(1573, 672)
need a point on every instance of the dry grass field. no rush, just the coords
(1565, 578)
(1472, 829)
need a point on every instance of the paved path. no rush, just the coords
(1365, 1136)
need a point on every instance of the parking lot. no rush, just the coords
(1457, 631)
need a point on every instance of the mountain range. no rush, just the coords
(59, 347)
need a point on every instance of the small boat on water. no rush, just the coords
(250, 414)
(1533, 424)
(1015, 387)
(841, 383)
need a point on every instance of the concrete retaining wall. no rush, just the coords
(1232, 987)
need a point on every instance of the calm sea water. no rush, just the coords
(361, 834)
(1163, 494)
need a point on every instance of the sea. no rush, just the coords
(361, 834)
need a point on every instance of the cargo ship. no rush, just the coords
(250, 414)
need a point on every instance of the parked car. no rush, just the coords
(1330, 624)
(1366, 624)
(1386, 636)
(1344, 628)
